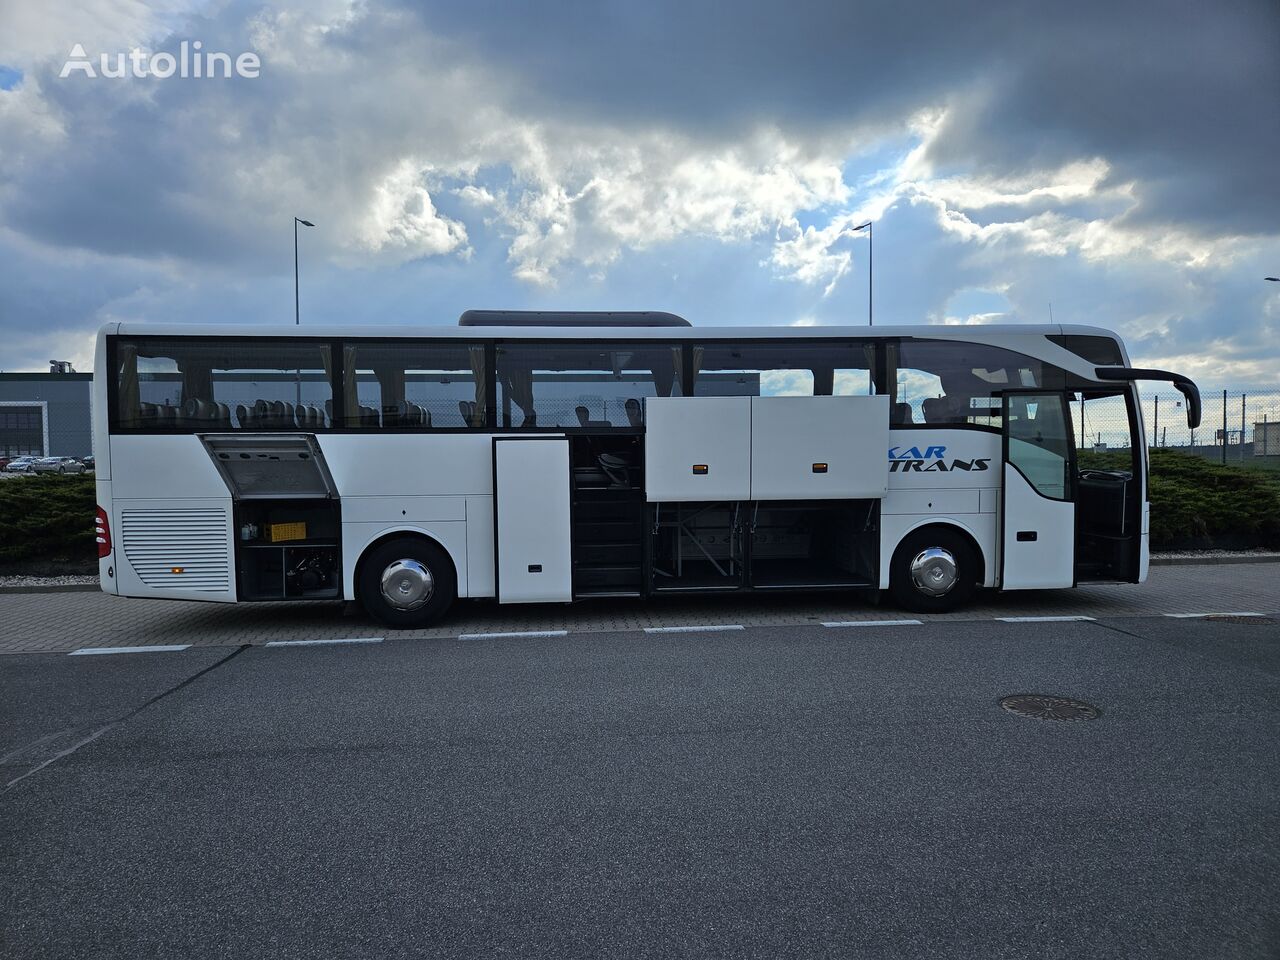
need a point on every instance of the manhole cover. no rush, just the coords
(1040, 707)
(1259, 620)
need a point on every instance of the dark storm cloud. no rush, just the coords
(1177, 96)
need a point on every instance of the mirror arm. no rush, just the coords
(1184, 385)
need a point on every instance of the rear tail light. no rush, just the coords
(102, 532)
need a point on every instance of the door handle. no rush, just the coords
(1027, 536)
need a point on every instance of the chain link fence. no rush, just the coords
(1236, 425)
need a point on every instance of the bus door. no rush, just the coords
(1038, 513)
(531, 523)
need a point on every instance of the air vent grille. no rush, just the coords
(179, 549)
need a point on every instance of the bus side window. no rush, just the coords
(945, 382)
(188, 384)
(793, 369)
(408, 385)
(577, 384)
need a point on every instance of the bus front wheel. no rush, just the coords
(933, 570)
(407, 583)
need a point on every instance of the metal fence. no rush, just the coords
(1235, 425)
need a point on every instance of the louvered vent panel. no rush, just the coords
(156, 541)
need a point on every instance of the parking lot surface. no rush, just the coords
(34, 622)
(778, 790)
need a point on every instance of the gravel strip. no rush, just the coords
(67, 581)
(1208, 556)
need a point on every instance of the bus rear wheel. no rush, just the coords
(407, 583)
(933, 570)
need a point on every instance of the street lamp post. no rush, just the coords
(297, 311)
(297, 314)
(871, 248)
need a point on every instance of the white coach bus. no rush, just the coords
(547, 457)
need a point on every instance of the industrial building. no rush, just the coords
(46, 414)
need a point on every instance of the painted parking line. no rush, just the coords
(1043, 619)
(1200, 616)
(99, 651)
(321, 643)
(513, 633)
(696, 628)
(871, 623)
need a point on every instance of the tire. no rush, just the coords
(408, 556)
(62, 470)
(916, 591)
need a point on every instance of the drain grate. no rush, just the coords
(1037, 706)
(1258, 620)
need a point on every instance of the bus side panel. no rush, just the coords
(159, 466)
(481, 563)
(107, 564)
(1144, 558)
(940, 475)
(409, 464)
(176, 547)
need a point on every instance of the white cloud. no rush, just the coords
(401, 218)
(35, 32)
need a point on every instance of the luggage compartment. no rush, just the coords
(288, 549)
(800, 544)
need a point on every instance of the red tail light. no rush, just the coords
(102, 531)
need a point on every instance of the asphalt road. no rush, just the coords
(793, 791)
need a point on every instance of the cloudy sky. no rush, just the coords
(1120, 161)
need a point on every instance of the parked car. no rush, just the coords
(88, 462)
(4, 462)
(57, 465)
(20, 465)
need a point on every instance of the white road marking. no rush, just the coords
(1042, 619)
(319, 643)
(513, 633)
(696, 628)
(870, 623)
(1198, 616)
(97, 651)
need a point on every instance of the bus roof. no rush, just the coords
(975, 332)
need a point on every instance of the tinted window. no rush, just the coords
(600, 386)
(783, 369)
(1103, 351)
(942, 381)
(415, 385)
(223, 385)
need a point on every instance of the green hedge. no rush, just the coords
(1196, 502)
(48, 519)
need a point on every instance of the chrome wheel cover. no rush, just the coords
(934, 572)
(407, 584)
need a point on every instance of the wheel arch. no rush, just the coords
(985, 560)
(395, 533)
